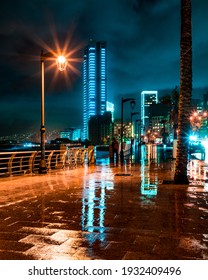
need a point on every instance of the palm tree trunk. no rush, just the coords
(185, 94)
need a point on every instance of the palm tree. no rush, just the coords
(174, 111)
(180, 176)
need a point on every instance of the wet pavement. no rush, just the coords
(103, 211)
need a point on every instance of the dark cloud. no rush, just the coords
(143, 53)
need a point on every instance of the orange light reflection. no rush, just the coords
(69, 49)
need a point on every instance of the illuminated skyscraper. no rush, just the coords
(94, 82)
(110, 108)
(147, 98)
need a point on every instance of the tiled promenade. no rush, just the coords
(103, 212)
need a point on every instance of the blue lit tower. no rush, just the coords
(147, 98)
(94, 82)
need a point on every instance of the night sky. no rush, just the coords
(143, 38)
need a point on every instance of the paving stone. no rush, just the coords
(88, 213)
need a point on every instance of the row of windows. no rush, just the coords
(90, 73)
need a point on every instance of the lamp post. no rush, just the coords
(132, 114)
(132, 134)
(61, 64)
(132, 103)
(139, 121)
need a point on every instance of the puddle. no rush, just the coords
(123, 174)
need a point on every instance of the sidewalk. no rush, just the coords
(103, 212)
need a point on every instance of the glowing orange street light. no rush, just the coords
(61, 64)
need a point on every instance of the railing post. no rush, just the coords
(49, 159)
(63, 159)
(21, 159)
(10, 164)
(91, 158)
(32, 162)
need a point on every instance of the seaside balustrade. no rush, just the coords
(27, 162)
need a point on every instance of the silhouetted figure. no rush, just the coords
(115, 147)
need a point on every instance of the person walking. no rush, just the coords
(115, 148)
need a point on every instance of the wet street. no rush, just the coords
(106, 212)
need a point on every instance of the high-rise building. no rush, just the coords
(147, 98)
(94, 82)
(110, 108)
(101, 129)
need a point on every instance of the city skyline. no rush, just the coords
(144, 53)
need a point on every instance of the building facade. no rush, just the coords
(127, 130)
(159, 122)
(94, 82)
(101, 129)
(110, 108)
(147, 98)
(73, 134)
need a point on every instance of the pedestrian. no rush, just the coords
(115, 148)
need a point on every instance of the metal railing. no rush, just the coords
(27, 162)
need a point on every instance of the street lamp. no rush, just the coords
(132, 103)
(61, 64)
(132, 134)
(132, 114)
(139, 121)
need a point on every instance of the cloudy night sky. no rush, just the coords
(143, 38)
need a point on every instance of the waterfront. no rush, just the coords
(106, 211)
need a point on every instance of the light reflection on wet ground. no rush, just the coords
(106, 212)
